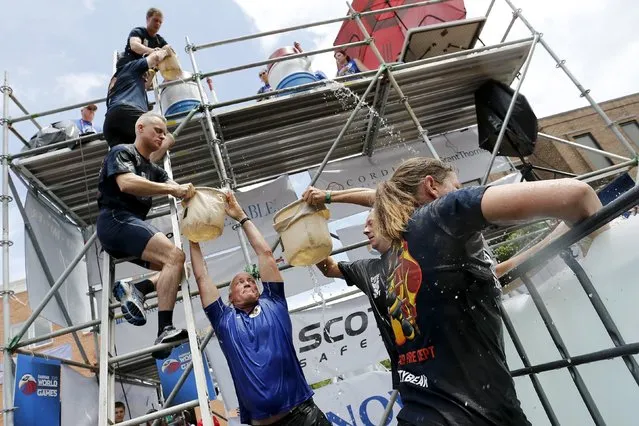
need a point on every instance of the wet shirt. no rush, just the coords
(126, 159)
(259, 350)
(152, 42)
(369, 276)
(127, 87)
(445, 314)
(349, 68)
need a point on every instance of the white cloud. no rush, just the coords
(78, 87)
(276, 14)
(595, 38)
(89, 4)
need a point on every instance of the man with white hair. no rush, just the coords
(255, 334)
(128, 180)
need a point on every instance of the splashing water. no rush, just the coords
(349, 100)
(317, 296)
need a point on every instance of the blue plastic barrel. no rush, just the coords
(182, 106)
(297, 79)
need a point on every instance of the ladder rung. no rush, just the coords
(122, 260)
(160, 413)
(138, 353)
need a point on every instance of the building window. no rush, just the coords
(597, 160)
(40, 327)
(631, 129)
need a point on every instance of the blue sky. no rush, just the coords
(59, 53)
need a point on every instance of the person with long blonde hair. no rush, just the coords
(443, 295)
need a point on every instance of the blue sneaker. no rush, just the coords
(132, 301)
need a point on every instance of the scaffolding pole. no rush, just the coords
(45, 268)
(584, 147)
(214, 144)
(7, 384)
(519, 347)
(591, 406)
(315, 24)
(511, 107)
(600, 308)
(584, 93)
(284, 58)
(24, 110)
(54, 289)
(389, 73)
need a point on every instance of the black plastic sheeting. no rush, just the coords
(56, 132)
(492, 100)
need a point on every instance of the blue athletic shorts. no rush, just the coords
(123, 234)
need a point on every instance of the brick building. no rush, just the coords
(62, 345)
(584, 126)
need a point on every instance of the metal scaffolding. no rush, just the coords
(421, 98)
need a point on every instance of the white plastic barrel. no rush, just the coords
(297, 70)
(203, 215)
(180, 97)
(304, 232)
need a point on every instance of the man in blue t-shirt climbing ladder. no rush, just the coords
(255, 334)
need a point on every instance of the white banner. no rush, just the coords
(78, 398)
(358, 401)
(353, 235)
(223, 268)
(329, 341)
(336, 339)
(460, 149)
(60, 243)
(260, 204)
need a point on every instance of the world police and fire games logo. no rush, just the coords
(43, 386)
(170, 366)
(28, 384)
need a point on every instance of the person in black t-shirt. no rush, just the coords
(366, 274)
(143, 41)
(127, 101)
(127, 181)
(445, 312)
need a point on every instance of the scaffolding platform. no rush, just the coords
(289, 134)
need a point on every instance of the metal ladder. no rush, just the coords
(109, 362)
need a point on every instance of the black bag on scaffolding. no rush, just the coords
(56, 132)
(491, 104)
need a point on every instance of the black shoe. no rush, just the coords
(169, 334)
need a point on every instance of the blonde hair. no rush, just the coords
(396, 199)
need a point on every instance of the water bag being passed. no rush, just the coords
(304, 232)
(203, 215)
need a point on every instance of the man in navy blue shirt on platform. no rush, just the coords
(143, 41)
(127, 101)
(255, 334)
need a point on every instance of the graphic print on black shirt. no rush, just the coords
(369, 276)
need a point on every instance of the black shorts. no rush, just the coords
(305, 414)
(119, 125)
(123, 234)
